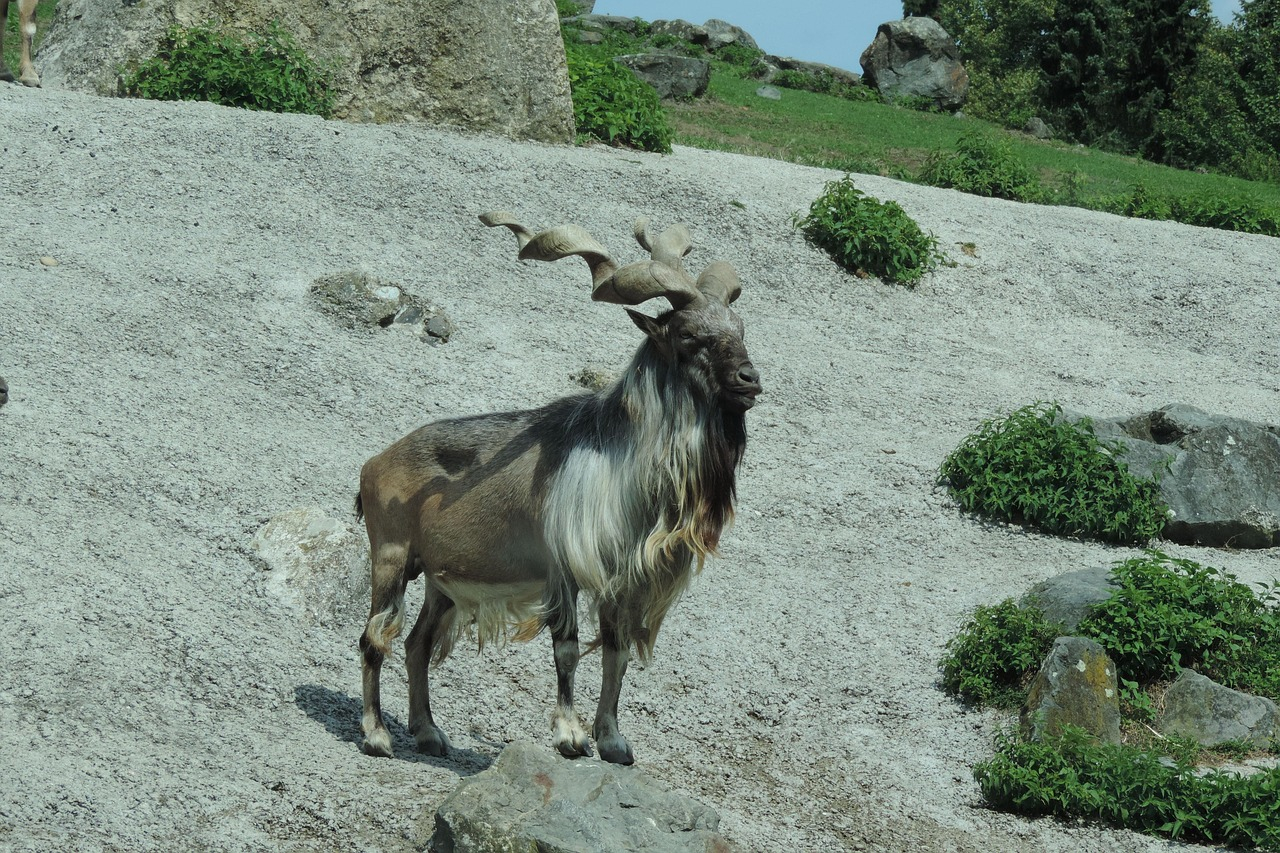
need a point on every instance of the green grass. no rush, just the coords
(873, 138)
(13, 41)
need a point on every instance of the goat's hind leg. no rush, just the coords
(430, 632)
(567, 732)
(616, 654)
(386, 621)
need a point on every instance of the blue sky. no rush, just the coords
(831, 31)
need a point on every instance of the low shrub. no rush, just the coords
(1037, 468)
(867, 236)
(982, 165)
(738, 59)
(824, 83)
(611, 105)
(990, 660)
(267, 72)
(1169, 613)
(1207, 211)
(1074, 777)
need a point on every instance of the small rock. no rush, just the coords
(770, 92)
(593, 379)
(1075, 686)
(1067, 598)
(1037, 128)
(316, 564)
(48, 261)
(1197, 707)
(441, 327)
(532, 799)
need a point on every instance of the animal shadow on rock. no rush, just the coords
(340, 715)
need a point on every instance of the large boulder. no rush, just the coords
(1076, 686)
(915, 57)
(497, 67)
(722, 34)
(532, 799)
(1221, 480)
(1199, 708)
(674, 77)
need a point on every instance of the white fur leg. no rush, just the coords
(568, 734)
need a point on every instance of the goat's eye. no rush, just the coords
(688, 336)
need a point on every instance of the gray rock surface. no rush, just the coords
(358, 300)
(485, 66)
(1037, 128)
(1075, 686)
(683, 30)
(604, 23)
(1200, 708)
(722, 34)
(673, 76)
(916, 57)
(531, 799)
(1222, 481)
(1066, 598)
(317, 564)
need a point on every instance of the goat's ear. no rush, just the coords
(652, 327)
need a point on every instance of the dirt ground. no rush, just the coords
(172, 388)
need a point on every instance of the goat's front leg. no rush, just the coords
(617, 652)
(567, 732)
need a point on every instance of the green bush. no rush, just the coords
(1073, 776)
(1207, 211)
(203, 63)
(1170, 613)
(738, 59)
(989, 661)
(1039, 469)
(867, 236)
(982, 165)
(610, 104)
(824, 83)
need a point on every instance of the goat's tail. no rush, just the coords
(359, 507)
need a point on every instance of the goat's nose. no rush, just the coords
(748, 374)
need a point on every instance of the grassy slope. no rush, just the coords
(821, 130)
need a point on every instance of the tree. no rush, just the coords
(998, 41)
(921, 8)
(1076, 73)
(1163, 39)
(1255, 47)
(1109, 67)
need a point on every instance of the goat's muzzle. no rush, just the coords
(741, 392)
